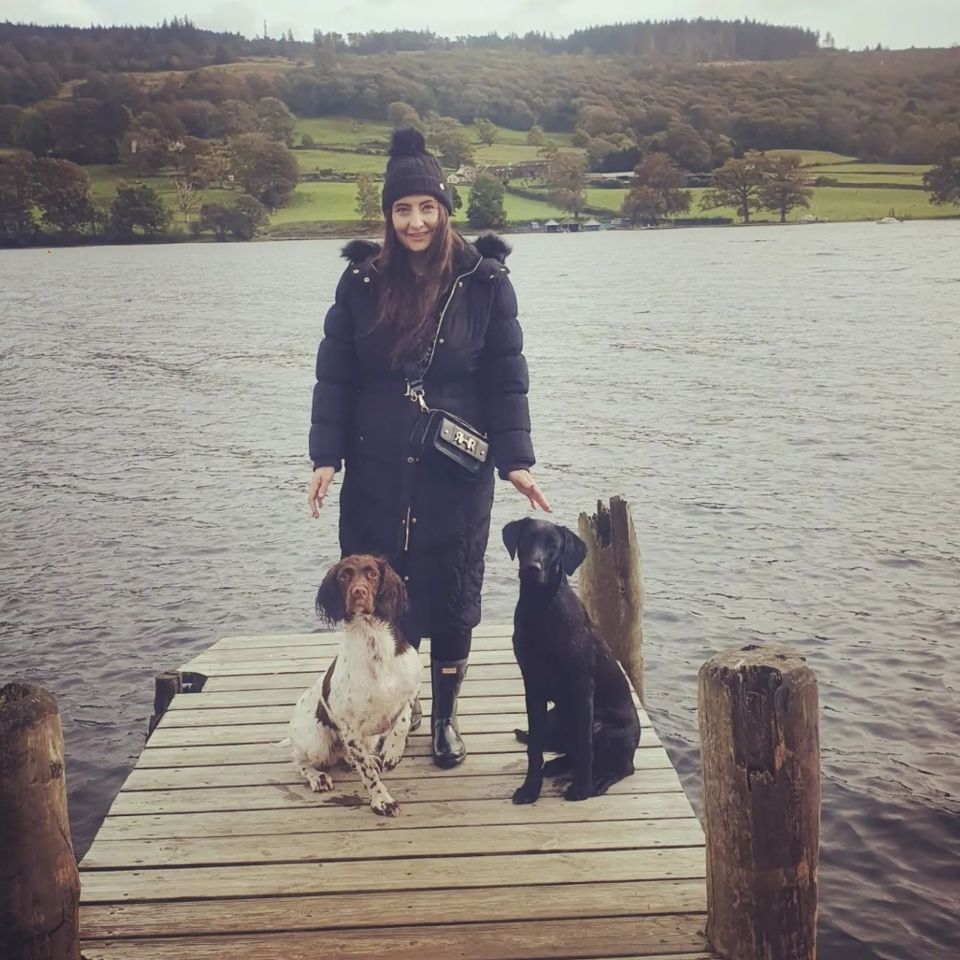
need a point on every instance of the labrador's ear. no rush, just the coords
(512, 533)
(573, 552)
(330, 598)
(392, 602)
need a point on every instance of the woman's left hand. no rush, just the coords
(524, 482)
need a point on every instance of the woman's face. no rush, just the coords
(415, 220)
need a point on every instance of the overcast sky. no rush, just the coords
(854, 23)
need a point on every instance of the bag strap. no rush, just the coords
(416, 372)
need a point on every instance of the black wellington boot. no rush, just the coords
(446, 677)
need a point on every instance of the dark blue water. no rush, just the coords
(779, 405)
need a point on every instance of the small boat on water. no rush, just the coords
(889, 220)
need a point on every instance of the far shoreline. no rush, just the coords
(344, 231)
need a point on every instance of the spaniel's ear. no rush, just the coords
(512, 533)
(392, 601)
(573, 552)
(330, 598)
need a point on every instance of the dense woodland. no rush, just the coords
(215, 109)
(685, 80)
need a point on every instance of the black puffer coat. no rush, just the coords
(431, 520)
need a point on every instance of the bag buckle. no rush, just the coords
(415, 392)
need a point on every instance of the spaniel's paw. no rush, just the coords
(387, 807)
(319, 781)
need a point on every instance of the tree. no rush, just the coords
(267, 171)
(368, 199)
(943, 181)
(597, 121)
(237, 116)
(656, 191)
(535, 136)
(785, 188)
(567, 182)
(486, 131)
(485, 210)
(400, 115)
(16, 195)
(138, 205)
(738, 184)
(34, 133)
(275, 121)
(191, 159)
(61, 190)
(240, 221)
(688, 148)
(449, 140)
(186, 197)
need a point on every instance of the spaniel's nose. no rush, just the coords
(533, 566)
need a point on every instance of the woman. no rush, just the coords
(426, 306)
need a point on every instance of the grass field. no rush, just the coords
(310, 160)
(511, 145)
(908, 172)
(336, 201)
(847, 203)
(809, 158)
(316, 202)
(341, 131)
(878, 176)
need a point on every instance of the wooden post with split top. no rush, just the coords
(39, 882)
(611, 584)
(760, 761)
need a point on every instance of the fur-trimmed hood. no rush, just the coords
(488, 246)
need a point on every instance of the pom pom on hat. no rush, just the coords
(411, 170)
(407, 142)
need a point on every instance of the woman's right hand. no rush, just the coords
(317, 489)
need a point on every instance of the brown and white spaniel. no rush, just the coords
(360, 710)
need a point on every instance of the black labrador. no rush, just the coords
(594, 723)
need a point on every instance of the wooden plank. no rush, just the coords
(343, 876)
(325, 848)
(213, 709)
(286, 697)
(277, 681)
(212, 665)
(321, 819)
(441, 788)
(481, 732)
(250, 915)
(240, 753)
(195, 712)
(484, 637)
(646, 936)
(260, 768)
(280, 647)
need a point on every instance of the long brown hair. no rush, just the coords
(407, 298)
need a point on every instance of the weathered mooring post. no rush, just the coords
(760, 762)
(39, 881)
(611, 583)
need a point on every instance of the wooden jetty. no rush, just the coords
(215, 849)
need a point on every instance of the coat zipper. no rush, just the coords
(418, 396)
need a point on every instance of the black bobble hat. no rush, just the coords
(411, 170)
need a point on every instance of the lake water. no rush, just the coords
(780, 406)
